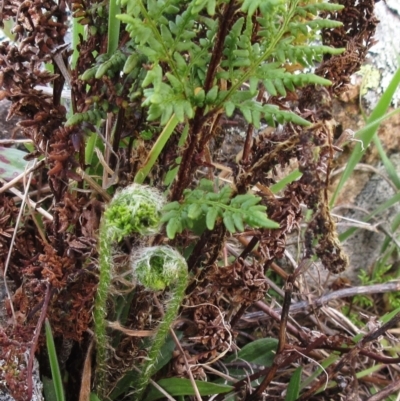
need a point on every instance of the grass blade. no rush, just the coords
(293, 176)
(113, 27)
(294, 385)
(389, 203)
(55, 368)
(77, 30)
(389, 166)
(367, 133)
(181, 387)
(156, 150)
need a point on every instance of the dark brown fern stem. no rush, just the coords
(249, 134)
(225, 24)
(196, 135)
(188, 158)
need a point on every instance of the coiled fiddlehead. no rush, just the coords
(135, 209)
(157, 268)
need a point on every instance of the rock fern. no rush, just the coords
(178, 40)
(202, 207)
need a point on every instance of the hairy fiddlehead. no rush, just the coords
(157, 268)
(135, 209)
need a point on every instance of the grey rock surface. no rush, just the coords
(6, 127)
(384, 56)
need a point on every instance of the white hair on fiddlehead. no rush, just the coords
(134, 209)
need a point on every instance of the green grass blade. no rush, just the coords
(156, 150)
(113, 27)
(367, 133)
(55, 368)
(77, 29)
(369, 371)
(389, 203)
(89, 148)
(390, 315)
(324, 364)
(388, 241)
(389, 166)
(294, 385)
(293, 176)
(176, 387)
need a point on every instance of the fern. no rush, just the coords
(203, 206)
(91, 116)
(177, 39)
(163, 98)
(170, 65)
(112, 65)
(303, 54)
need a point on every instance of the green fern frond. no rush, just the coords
(176, 39)
(315, 8)
(113, 65)
(202, 206)
(91, 116)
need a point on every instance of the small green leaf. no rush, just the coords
(211, 7)
(280, 87)
(211, 196)
(127, 19)
(174, 226)
(229, 223)
(212, 95)
(229, 109)
(130, 64)
(255, 208)
(171, 206)
(89, 73)
(238, 200)
(179, 112)
(238, 220)
(211, 218)
(194, 211)
(206, 185)
(293, 389)
(259, 352)
(256, 118)
(270, 88)
(253, 84)
(250, 6)
(225, 194)
(246, 114)
(199, 97)
(259, 219)
(253, 201)
(169, 215)
(175, 82)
